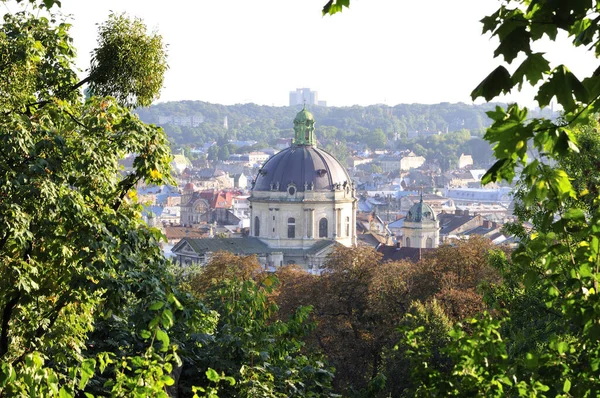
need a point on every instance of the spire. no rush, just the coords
(304, 128)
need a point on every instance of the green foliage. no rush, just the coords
(128, 64)
(87, 303)
(334, 125)
(335, 6)
(543, 341)
(265, 357)
(433, 328)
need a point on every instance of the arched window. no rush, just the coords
(256, 226)
(291, 228)
(347, 226)
(407, 242)
(429, 243)
(323, 228)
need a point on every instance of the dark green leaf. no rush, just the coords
(497, 82)
(533, 68)
(515, 42)
(565, 87)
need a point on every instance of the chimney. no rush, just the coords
(494, 225)
(398, 245)
(466, 212)
(486, 224)
(458, 212)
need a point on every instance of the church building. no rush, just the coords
(421, 228)
(302, 204)
(420, 233)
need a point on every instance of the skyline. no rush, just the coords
(376, 52)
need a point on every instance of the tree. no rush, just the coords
(128, 64)
(359, 301)
(263, 353)
(557, 264)
(225, 266)
(73, 247)
(376, 139)
(223, 153)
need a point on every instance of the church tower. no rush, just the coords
(421, 227)
(303, 201)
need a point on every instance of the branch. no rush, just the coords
(72, 88)
(76, 120)
(574, 117)
(62, 302)
(81, 83)
(8, 309)
(6, 315)
(126, 184)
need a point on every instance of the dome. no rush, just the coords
(304, 167)
(304, 115)
(189, 187)
(420, 212)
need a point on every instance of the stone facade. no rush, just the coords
(421, 227)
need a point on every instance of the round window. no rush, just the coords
(292, 190)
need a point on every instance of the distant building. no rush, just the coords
(411, 161)
(187, 121)
(180, 163)
(305, 96)
(258, 157)
(502, 195)
(240, 181)
(465, 161)
(421, 228)
(390, 163)
(357, 161)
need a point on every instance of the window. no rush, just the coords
(256, 226)
(347, 226)
(407, 242)
(429, 243)
(323, 228)
(291, 228)
(292, 190)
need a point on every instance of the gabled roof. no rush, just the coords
(367, 239)
(450, 222)
(184, 232)
(396, 224)
(246, 245)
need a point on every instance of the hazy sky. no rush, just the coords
(378, 51)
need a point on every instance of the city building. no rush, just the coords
(302, 205)
(411, 161)
(187, 121)
(304, 96)
(465, 161)
(421, 228)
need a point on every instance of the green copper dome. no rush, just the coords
(304, 115)
(420, 212)
(304, 128)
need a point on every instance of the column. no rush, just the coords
(353, 226)
(306, 223)
(334, 226)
